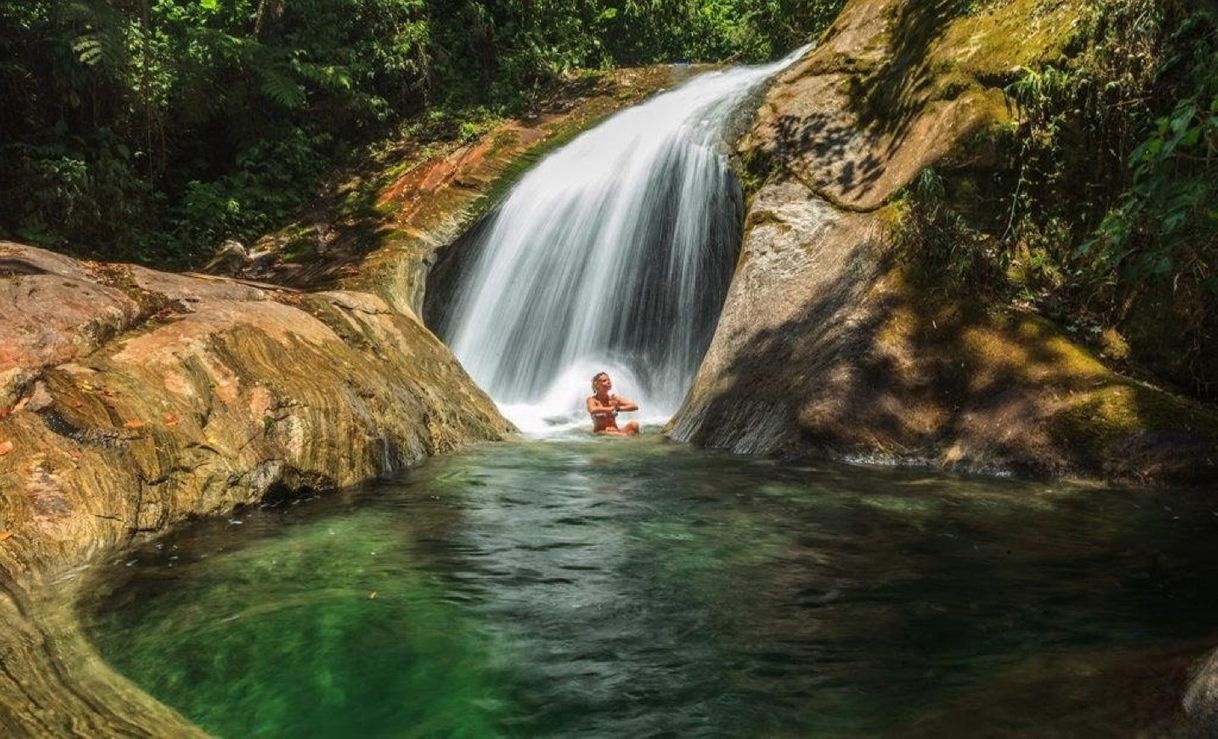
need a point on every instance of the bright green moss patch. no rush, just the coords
(1094, 421)
(1006, 35)
(1101, 421)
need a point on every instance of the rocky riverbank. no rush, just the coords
(136, 399)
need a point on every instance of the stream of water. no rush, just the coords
(614, 253)
(636, 588)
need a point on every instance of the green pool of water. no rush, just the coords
(637, 588)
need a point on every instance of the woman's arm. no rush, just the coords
(625, 405)
(599, 410)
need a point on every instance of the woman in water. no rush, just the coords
(604, 408)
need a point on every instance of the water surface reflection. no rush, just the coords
(633, 587)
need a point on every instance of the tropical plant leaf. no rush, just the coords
(281, 88)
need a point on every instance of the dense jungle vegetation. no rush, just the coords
(150, 130)
(1102, 209)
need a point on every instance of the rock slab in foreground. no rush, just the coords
(132, 399)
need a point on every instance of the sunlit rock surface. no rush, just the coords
(132, 399)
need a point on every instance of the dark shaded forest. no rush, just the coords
(150, 130)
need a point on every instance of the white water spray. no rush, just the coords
(614, 253)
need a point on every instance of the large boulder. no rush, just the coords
(827, 344)
(132, 399)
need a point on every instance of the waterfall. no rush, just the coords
(614, 253)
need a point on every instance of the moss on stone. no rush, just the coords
(1017, 378)
(1104, 421)
(298, 244)
(993, 43)
(1113, 346)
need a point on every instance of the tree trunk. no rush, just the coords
(269, 11)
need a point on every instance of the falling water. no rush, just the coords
(614, 254)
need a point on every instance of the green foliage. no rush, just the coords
(80, 188)
(1126, 138)
(949, 249)
(1103, 206)
(153, 129)
(1166, 224)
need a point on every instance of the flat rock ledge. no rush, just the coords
(132, 400)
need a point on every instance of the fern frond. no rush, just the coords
(328, 76)
(88, 48)
(281, 88)
(102, 37)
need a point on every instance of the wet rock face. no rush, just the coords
(132, 399)
(757, 371)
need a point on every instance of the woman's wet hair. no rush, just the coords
(597, 376)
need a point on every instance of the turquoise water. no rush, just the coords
(637, 588)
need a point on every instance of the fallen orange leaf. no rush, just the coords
(172, 418)
(5, 447)
(5, 534)
(133, 425)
